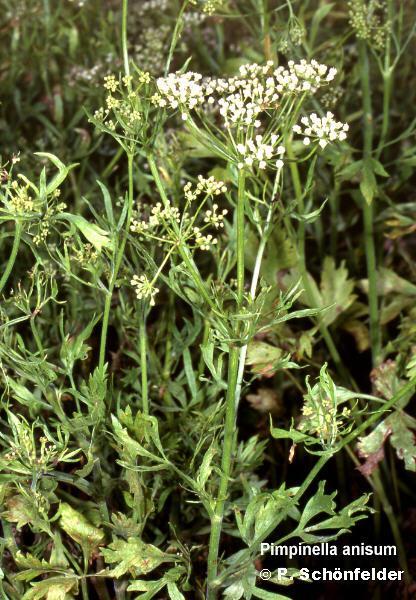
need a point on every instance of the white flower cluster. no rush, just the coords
(208, 186)
(323, 130)
(180, 90)
(241, 99)
(159, 215)
(259, 151)
(303, 76)
(204, 242)
(152, 5)
(215, 218)
(144, 288)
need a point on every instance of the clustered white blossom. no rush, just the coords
(150, 6)
(159, 215)
(208, 186)
(242, 98)
(180, 90)
(204, 242)
(144, 288)
(323, 130)
(214, 217)
(258, 152)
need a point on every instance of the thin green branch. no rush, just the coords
(12, 258)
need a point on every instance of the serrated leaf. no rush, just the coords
(403, 438)
(263, 357)
(134, 556)
(53, 588)
(336, 290)
(79, 528)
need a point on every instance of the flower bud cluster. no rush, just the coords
(368, 18)
(322, 414)
(20, 199)
(214, 217)
(159, 215)
(123, 105)
(204, 242)
(208, 186)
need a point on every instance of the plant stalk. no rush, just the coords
(368, 216)
(13, 255)
(143, 362)
(124, 43)
(228, 448)
(119, 254)
(235, 374)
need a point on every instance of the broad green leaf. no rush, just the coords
(336, 290)
(319, 503)
(368, 185)
(206, 467)
(79, 528)
(53, 588)
(264, 595)
(403, 438)
(339, 523)
(280, 253)
(336, 524)
(134, 556)
(263, 357)
(107, 202)
(291, 434)
(318, 17)
(94, 234)
(22, 511)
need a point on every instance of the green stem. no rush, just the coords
(143, 362)
(240, 237)
(387, 73)
(175, 36)
(235, 374)
(368, 217)
(124, 37)
(228, 447)
(255, 279)
(12, 257)
(119, 254)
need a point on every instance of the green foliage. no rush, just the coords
(206, 225)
